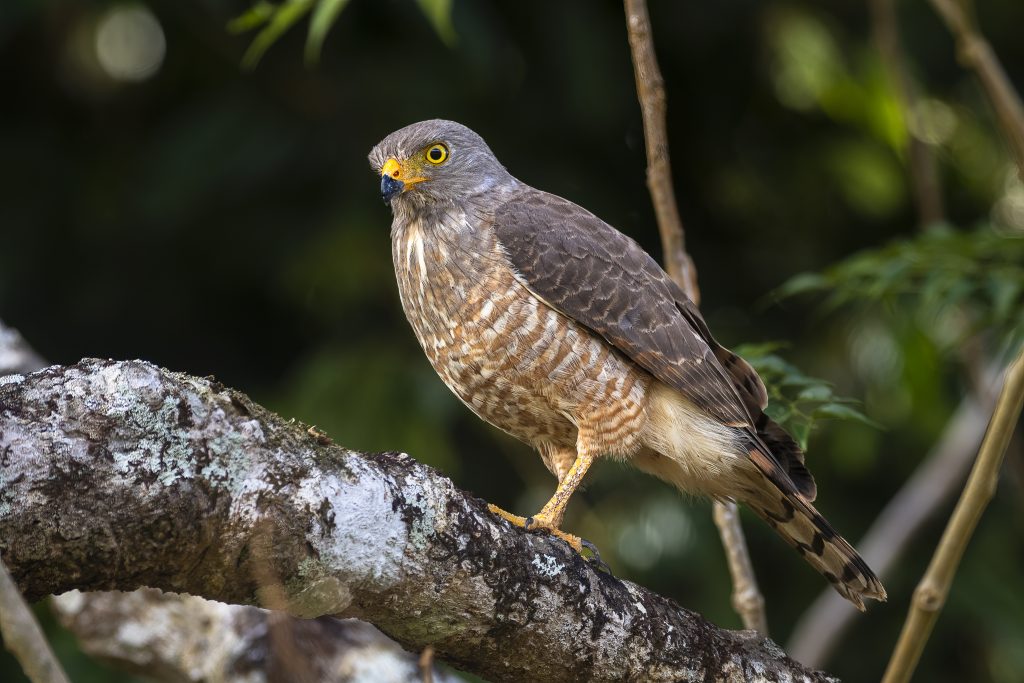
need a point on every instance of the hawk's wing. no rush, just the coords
(589, 271)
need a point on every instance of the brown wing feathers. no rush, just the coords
(599, 277)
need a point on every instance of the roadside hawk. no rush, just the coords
(558, 329)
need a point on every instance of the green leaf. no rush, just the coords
(252, 18)
(803, 282)
(439, 12)
(844, 412)
(815, 392)
(801, 431)
(324, 17)
(796, 400)
(283, 19)
(979, 273)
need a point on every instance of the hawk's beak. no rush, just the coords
(394, 180)
(390, 188)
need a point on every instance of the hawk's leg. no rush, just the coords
(550, 516)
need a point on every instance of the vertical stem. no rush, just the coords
(650, 88)
(931, 592)
(746, 598)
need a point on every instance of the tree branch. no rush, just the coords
(177, 638)
(18, 626)
(976, 53)
(23, 637)
(120, 475)
(931, 592)
(170, 637)
(746, 597)
(650, 89)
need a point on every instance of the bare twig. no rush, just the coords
(934, 482)
(23, 637)
(426, 663)
(924, 175)
(976, 53)
(650, 88)
(931, 592)
(746, 599)
(181, 484)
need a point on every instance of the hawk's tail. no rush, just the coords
(803, 527)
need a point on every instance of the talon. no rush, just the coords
(595, 560)
(514, 520)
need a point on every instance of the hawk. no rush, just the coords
(555, 327)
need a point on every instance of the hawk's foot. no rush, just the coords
(539, 522)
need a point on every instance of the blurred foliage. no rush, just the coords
(274, 19)
(958, 283)
(223, 221)
(795, 400)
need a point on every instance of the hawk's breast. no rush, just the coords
(516, 362)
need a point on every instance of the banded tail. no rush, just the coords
(788, 510)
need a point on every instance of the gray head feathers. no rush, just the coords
(469, 169)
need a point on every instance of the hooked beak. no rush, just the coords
(394, 180)
(390, 188)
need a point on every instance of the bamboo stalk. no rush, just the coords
(930, 594)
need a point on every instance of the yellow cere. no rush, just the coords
(392, 168)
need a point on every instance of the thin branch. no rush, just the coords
(127, 475)
(825, 622)
(650, 88)
(23, 637)
(976, 53)
(746, 599)
(924, 175)
(931, 592)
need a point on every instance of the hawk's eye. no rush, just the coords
(437, 154)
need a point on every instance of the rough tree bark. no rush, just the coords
(182, 638)
(117, 475)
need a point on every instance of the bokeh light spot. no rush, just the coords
(130, 44)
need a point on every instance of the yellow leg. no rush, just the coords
(550, 516)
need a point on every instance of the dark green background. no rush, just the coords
(221, 222)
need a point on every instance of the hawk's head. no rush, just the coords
(433, 162)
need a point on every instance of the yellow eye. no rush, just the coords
(437, 154)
